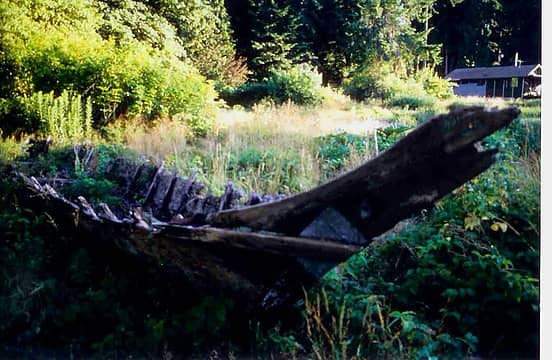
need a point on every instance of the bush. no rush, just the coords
(67, 117)
(435, 85)
(247, 94)
(368, 82)
(464, 276)
(300, 85)
(407, 92)
(413, 102)
(335, 150)
(15, 118)
(63, 51)
(380, 81)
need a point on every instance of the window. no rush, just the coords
(515, 82)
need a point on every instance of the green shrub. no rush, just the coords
(94, 190)
(368, 82)
(461, 280)
(378, 80)
(300, 85)
(15, 119)
(435, 85)
(246, 94)
(334, 150)
(468, 270)
(413, 102)
(64, 51)
(67, 117)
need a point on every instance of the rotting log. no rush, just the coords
(264, 251)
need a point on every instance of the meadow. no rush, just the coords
(458, 280)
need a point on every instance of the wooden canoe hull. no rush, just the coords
(265, 254)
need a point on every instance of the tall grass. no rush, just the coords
(67, 117)
(10, 149)
(271, 148)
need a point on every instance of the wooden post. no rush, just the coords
(522, 87)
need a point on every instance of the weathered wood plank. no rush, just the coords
(287, 246)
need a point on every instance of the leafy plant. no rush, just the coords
(368, 81)
(412, 101)
(434, 84)
(390, 135)
(63, 51)
(299, 84)
(67, 117)
(335, 150)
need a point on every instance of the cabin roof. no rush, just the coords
(494, 72)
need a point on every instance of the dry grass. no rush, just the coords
(10, 148)
(157, 140)
(310, 122)
(276, 141)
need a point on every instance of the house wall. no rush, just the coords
(504, 88)
(469, 89)
(496, 87)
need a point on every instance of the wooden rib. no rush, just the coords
(271, 243)
(153, 183)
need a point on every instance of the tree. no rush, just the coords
(330, 31)
(469, 31)
(273, 37)
(203, 29)
(346, 34)
(521, 24)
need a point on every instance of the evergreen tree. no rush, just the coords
(273, 37)
(469, 31)
(326, 30)
(521, 30)
(397, 32)
(345, 34)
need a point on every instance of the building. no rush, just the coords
(520, 81)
